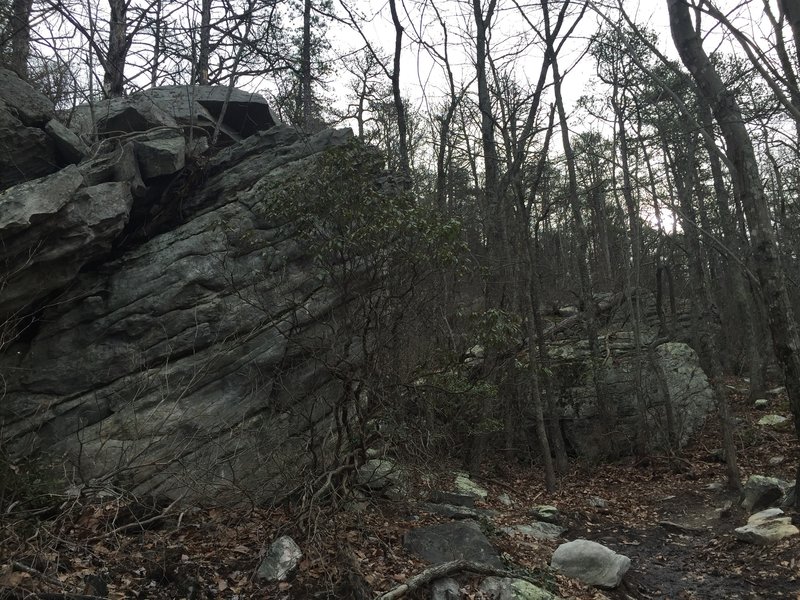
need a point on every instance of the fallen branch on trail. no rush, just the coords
(428, 575)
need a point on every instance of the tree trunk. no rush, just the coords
(749, 188)
(399, 107)
(205, 43)
(114, 64)
(20, 36)
(305, 69)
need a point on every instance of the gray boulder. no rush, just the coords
(507, 588)
(591, 563)
(282, 558)
(384, 476)
(766, 527)
(674, 374)
(451, 511)
(32, 108)
(69, 147)
(773, 420)
(761, 492)
(442, 543)
(452, 498)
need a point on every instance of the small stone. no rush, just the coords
(546, 513)
(445, 588)
(505, 499)
(464, 485)
(772, 420)
(761, 403)
(282, 558)
(776, 460)
(715, 486)
(597, 502)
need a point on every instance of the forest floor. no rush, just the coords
(87, 548)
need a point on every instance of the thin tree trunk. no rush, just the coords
(114, 64)
(20, 36)
(205, 42)
(305, 69)
(399, 107)
(157, 36)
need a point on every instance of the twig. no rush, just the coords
(36, 573)
(443, 570)
(139, 524)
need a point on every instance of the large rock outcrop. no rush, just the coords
(187, 353)
(673, 393)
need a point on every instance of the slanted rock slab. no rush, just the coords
(766, 527)
(591, 563)
(507, 588)
(282, 558)
(442, 543)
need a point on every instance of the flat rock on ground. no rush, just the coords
(452, 541)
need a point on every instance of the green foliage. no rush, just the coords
(498, 329)
(354, 221)
(455, 399)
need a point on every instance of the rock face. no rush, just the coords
(51, 228)
(591, 563)
(167, 319)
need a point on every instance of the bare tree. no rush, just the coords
(749, 187)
